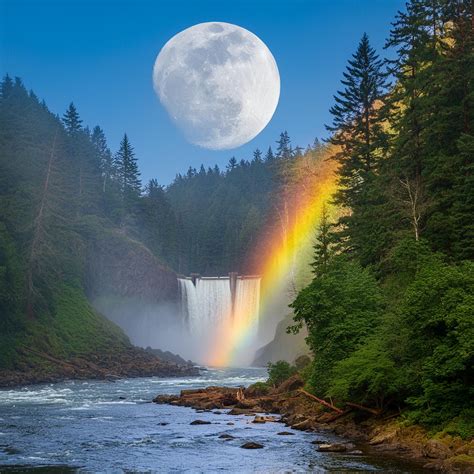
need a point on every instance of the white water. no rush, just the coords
(208, 309)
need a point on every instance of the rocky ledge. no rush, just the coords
(372, 432)
(131, 362)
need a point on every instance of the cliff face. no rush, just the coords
(284, 346)
(129, 285)
(120, 266)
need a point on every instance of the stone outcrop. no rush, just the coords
(121, 266)
(284, 346)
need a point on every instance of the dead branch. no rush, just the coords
(320, 401)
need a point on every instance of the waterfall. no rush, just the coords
(209, 307)
(246, 304)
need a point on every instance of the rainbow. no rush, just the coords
(285, 247)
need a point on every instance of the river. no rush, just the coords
(103, 426)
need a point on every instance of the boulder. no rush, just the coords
(226, 436)
(435, 449)
(332, 448)
(264, 419)
(241, 411)
(304, 425)
(200, 422)
(252, 445)
(285, 433)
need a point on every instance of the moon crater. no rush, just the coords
(219, 83)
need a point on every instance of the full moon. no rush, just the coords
(219, 83)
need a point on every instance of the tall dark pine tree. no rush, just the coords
(356, 125)
(128, 174)
(284, 149)
(414, 37)
(360, 141)
(322, 246)
(257, 155)
(269, 156)
(232, 164)
(449, 132)
(71, 120)
(6, 87)
(104, 156)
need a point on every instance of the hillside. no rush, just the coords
(59, 248)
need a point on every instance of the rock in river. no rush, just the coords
(200, 422)
(334, 448)
(252, 445)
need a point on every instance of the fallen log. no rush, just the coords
(373, 411)
(320, 401)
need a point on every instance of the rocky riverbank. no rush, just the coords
(369, 431)
(39, 367)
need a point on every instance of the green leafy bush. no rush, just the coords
(278, 372)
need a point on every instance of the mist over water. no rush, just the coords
(150, 324)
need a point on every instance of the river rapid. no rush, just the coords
(103, 426)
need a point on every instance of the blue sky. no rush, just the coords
(100, 54)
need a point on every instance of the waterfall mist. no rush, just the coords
(157, 325)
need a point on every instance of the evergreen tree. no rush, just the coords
(356, 124)
(360, 140)
(322, 246)
(71, 119)
(128, 173)
(257, 155)
(232, 164)
(104, 156)
(269, 155)
(284, 149)
(6, 87)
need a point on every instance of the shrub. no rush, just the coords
(279, 372)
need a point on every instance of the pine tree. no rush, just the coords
(232, 164)
(269, 155)
(284, 149)
(356, 125)
(322, 246)
(6, 87)
(448, 135)
(257, 155)
(104, 156)
(128, 173)
(361, 142)
(71, 119)
(297, 152)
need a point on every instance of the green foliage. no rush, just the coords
(405, 340)
(437, 310)
(322, 247)
(260, 388)
(462, 425)
(278, 372)
(340, 307)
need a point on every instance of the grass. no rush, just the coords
(74, 329)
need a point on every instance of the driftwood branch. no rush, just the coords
(320, 401)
